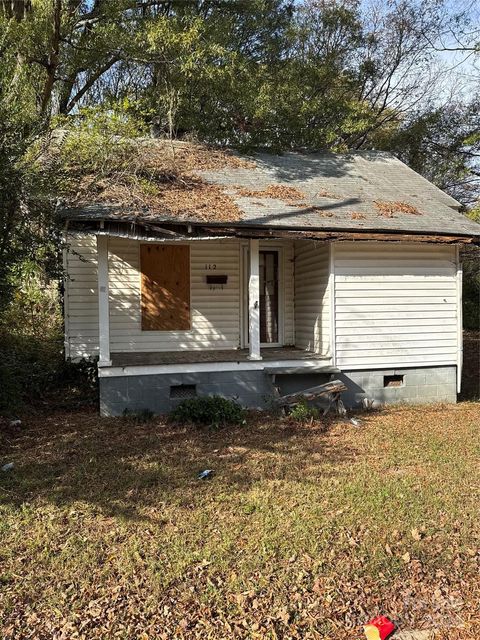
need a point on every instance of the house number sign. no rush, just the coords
(215, 281)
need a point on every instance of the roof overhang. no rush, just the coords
(182, 231)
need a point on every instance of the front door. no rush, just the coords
(269, 308)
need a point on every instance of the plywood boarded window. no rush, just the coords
(165, 287)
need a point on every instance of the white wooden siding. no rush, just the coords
(312, 297)
(215, 312)
(395, 305)
(81, 296)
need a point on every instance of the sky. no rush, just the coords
(463, 66)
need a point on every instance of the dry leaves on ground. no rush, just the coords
(304, 532)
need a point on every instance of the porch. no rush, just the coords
(159, 380)
(271, 355)
(265, 301)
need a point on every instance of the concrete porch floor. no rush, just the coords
(212, 355)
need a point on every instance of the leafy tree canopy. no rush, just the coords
(275, 74)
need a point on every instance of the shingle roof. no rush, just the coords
(358, 191)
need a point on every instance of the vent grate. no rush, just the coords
(183, 391)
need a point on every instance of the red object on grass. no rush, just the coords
(379, 628)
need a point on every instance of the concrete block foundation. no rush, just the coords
(413, 386)
(161, 393)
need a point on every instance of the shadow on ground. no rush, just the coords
(471, 366)
(124, 469)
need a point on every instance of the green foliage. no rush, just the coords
(33, 372)
(474, 214)
(34, 307)
(92, 135)
(471, 312)
(442, 144)
(304, 412)
(261, 74)
(214, 411)
(93, 143)
(471, 285)
(32, 365)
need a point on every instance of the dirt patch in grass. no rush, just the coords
(301, 533)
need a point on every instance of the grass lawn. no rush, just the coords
(105, 532)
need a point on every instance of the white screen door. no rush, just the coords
(270, 299)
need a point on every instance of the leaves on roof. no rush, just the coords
(181, 198)
(324, 193)
(319, 211)
(388, 208)
(289, 195)
(149, 177)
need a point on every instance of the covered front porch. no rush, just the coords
(254, 318)
(232, 302)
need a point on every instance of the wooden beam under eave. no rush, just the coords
(338, 236)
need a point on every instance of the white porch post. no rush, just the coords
(103, 305)
(254, 301)
(459, 319)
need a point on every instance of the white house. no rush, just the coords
(303, 266)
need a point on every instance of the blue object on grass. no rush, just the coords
(206, 473)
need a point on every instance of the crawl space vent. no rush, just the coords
(182, 391)
(393, 381)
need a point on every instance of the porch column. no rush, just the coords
(103, 305)
(254, 301)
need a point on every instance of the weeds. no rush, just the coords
(304, 412)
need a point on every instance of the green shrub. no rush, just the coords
(471, 314)
(471, 287)
(303, 412)
(213, 411)
(28, 367)
(34, 370)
